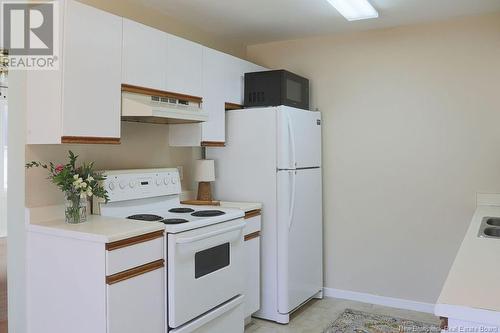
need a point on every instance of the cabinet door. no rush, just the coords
(137, 304)
(91, 72)
(252, 283)
(214, 64)
(184, 66)
(144, 56)
(233, 79)
(252, 266)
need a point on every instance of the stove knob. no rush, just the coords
(131, 184)
(112, 186)
(165, 180)
(158, 181)
(123, 184)
(174, 180)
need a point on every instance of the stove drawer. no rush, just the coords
(133, 252)
(227, 317)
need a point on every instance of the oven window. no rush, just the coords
(293, 91)
(211, 260)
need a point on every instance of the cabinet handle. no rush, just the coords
(252, 213)
(136, 271)
(134, 240)
(252, 236)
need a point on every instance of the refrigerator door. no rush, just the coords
(299, 138)
(299, 237)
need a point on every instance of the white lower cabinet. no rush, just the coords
(71, 287)
(137, 304)
(252, 263)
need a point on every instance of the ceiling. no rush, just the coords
(259, 21)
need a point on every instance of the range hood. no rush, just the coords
(160, 107)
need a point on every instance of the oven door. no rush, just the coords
(205, 269)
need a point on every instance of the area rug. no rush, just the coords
(352, 321)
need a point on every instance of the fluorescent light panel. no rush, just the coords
(354, 10)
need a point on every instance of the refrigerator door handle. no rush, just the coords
(292, 203)
(291, 134)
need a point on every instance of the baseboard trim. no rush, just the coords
(379, 300)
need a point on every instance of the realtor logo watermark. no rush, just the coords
(31, 34)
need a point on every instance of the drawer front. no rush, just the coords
(253, 223)
(133, 252)
(223, 319)
(137, 303)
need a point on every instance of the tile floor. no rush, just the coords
(315, 316)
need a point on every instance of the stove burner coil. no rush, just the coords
(181, 210)
(208, 213)
(174, 221)
(145, 217)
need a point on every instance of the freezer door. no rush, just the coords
(299, 237)
(299, 138)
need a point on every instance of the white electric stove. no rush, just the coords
(204, 248)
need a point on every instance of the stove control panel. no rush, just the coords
(141, 184)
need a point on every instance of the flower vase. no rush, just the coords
(76, 210)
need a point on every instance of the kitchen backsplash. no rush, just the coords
(142, 146)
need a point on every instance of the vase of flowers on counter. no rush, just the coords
(78, 184)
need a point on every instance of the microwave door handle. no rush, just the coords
(188, 240)
(291, 135)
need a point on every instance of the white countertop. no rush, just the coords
(244, 206)
(472, 290)
(97, 228)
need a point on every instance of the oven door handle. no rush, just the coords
(189, 240)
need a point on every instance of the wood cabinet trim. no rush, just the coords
(252, 236)
(90, 140)
(134, 240)
(136, 271)
(213, 144)
(161, 93)
(252, 213)
(232, 106)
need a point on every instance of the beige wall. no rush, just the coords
(411, 132)
(136, 11)
(143, 146)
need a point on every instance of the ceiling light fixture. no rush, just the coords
(354, 10)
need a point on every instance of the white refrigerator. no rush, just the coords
(273, 156)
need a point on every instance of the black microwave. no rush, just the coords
(278, 87)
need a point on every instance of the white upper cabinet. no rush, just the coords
(233, 74)
(213, 96)
(184, 66)
(92, 72)
(80, 102)
(144, 56)
(223, 82)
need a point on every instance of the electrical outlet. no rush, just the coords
(181, 172)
